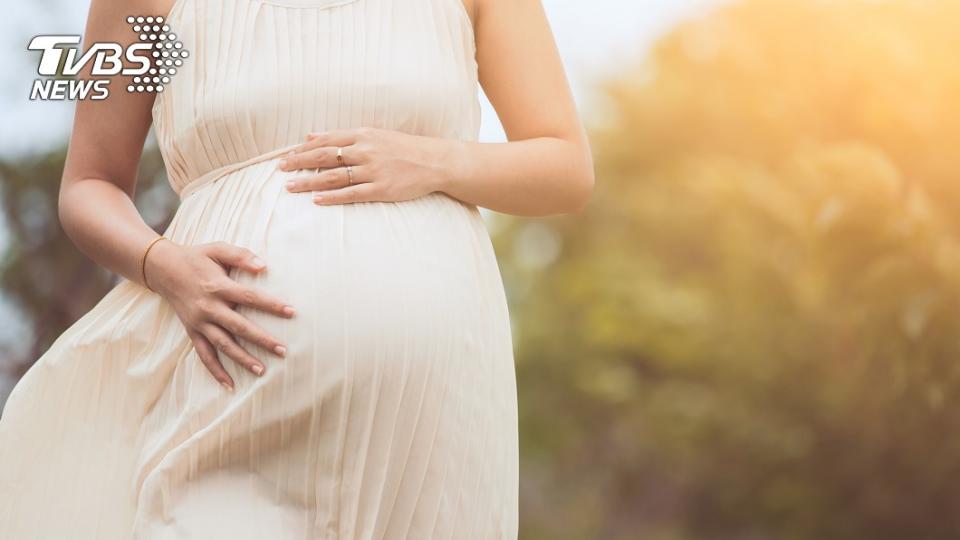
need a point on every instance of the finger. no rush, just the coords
(329, 179)
(242, 327)
(314, 158)
(235, 256)
(208, 355)
(248, 296)
(225, 343)
(334, 137)
(338, 137)
(364, 192)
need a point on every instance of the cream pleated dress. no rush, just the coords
(393, 414)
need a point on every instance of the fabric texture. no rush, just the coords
(394, 413)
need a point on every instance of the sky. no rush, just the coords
(593, 37)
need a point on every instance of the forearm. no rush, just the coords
(101, 219)
(533, 177)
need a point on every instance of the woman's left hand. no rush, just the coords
(385, 165)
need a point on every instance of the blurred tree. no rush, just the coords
(752, 332)
(47, 278)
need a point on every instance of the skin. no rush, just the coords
(545, 168)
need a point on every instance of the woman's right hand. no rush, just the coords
(195, 280)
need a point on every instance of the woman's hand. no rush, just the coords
(195, 281)
(385, 165)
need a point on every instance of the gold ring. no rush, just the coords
(340, 156)
(349, 174)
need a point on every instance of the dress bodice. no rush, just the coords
(261, 74)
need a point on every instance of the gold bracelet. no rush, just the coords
(143, 260)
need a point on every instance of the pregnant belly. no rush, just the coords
(399, 370)
(376, 286)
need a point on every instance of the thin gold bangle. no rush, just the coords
(143, 261)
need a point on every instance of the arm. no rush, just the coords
(97, 212)
(545, 168)
(102, 158)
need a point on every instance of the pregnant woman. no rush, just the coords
(318, 346)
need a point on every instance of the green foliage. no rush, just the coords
(752, 332)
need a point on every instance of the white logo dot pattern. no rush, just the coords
(168, 53)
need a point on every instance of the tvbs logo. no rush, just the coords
(153, 60)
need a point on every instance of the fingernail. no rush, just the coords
(227, 386)
(258, 370)
(283, 164)
(318, 198)
(280, 350)
(291, 185)
(258, 262)
(288, 311)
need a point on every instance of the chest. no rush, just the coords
(274, 70)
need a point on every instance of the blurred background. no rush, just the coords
(752, 332)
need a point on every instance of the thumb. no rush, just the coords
(235, 256)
